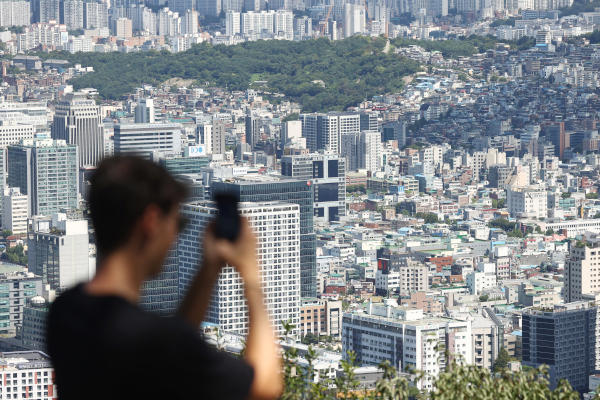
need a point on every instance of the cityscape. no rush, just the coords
(422, 177)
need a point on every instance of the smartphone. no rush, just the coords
(228, 222)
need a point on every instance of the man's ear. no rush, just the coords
(149, 222)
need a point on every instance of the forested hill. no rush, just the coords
(319, 74)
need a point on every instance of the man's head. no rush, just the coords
(134, 205)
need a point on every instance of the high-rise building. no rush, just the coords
(232, 23)
(160, 295)
(355, 19)
(582, 267)
(189, 22)
(46, 10)
(77, 121)
(15, 211)
(58, 251)
(283, 24)
(327, 176)
(150, 141)
(212, 136)
(14, 13)
(181, 6)
(303, 28)
(33, 331)
(252, 130)
(369, 153)
(265, 189)
(211, 8)
(277, 228)
(95, 15)
(558, 137)
(123, 28)
(324, 131)
(46, 171)
(395, 131)
(144, 112)
(73, 14)
(16, 287)
(349, 149)
(565, 339)
(369, 121)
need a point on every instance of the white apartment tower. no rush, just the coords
(232, 23)
(73, 14)
(354, 19)
(15, 211)
(14, 13)
(277, 227)
(527, 202)
(77, 121)
(370, 149)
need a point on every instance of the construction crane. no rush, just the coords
(324, 25)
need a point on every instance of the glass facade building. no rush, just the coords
(290, 191)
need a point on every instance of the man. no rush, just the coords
(103, 346)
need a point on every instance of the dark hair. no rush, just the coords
(121, 189)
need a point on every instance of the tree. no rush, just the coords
(6, 232)
(484, 297)
(16, 255)
(549, 231)
(591, 196)
(502, 360)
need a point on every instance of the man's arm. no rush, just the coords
(195, 303)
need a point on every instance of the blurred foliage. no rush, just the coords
(457, 382)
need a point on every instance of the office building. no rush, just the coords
(73, 14)
(277, 227)
(15, 211)
(252, 130)
(498, 175)
(185, 165)
(369, 121)
(45, 170)
(77, 121)
(327, 176)
(17, 285)
(13, 134)
(324, 131)
(212, 136)
(33, 331)
(58, 251)
(582, 267)
(36, 366)
(160, 295)
(261, 189)
(349, 148)
(406, 339)
(395, 131)
(28, 113)
(151, 141)
(15, 13)
(303, 29)
(557, 135)
(565, 339)
(144, 112)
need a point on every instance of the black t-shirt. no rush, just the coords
(104, 347)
